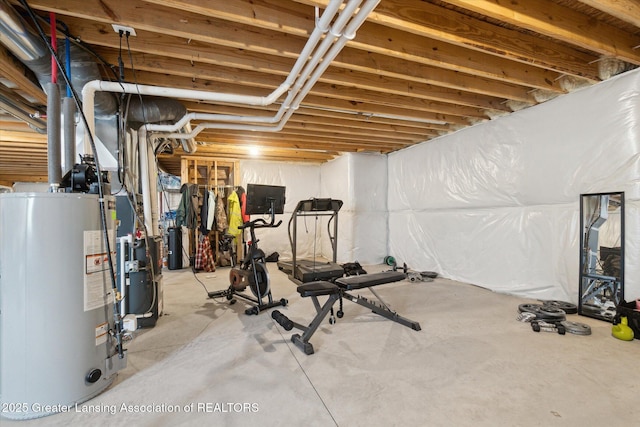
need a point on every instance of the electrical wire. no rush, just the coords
(103, 216)
(155, 150)
(135, 80)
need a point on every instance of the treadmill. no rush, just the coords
(310, 270)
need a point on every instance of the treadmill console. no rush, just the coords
(319, 205)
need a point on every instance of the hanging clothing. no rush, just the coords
(221, 214)
(211, 210)
(204, 214)
(235, 214)
(204, 256)
(243, 204)
(186, 214)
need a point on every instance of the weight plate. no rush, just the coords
(525, 316)
(576, 328)
(567, 307)
(548, 311)
(531, 308)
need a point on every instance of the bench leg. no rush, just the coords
(302, 341)
(383, 311)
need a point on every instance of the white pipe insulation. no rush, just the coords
(53, 136)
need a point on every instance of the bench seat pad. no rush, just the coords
(367, 280)
(318, 288)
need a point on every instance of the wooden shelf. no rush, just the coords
(211, 174)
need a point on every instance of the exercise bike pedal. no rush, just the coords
(253, 310)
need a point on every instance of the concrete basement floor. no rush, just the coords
(472, 364)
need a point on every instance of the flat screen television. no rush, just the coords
(261, 199)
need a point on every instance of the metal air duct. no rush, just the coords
(153, 109)
(26, 46)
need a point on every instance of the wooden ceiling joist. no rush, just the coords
(416, 69)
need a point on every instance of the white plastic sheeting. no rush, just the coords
(497, 204)
(359, 180)
(302, 181)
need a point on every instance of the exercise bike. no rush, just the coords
(252, 272)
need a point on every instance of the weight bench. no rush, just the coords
(335, 292)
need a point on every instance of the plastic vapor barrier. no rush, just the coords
(302, 182)
(497, 204)
(360, 181)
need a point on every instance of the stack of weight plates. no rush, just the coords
(548, 313)
(567, 307)
(553, 312)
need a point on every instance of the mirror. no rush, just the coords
(601, 254)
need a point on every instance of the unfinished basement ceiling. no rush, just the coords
(414, 71)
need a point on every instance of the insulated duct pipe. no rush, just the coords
(31, 50)
(90, 89)
(83, 68)
(348, 34)
(158, 110)
(53, 136)
(27, 47)
(153, 110)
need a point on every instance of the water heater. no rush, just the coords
(57, 346)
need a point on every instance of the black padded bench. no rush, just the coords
(336, 291)
(351, 283)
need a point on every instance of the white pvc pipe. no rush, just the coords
(89, 90)
(348, 34)
(153, 188)
(322, 26)
(144, 181)
(149, 183)
(331, 45)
